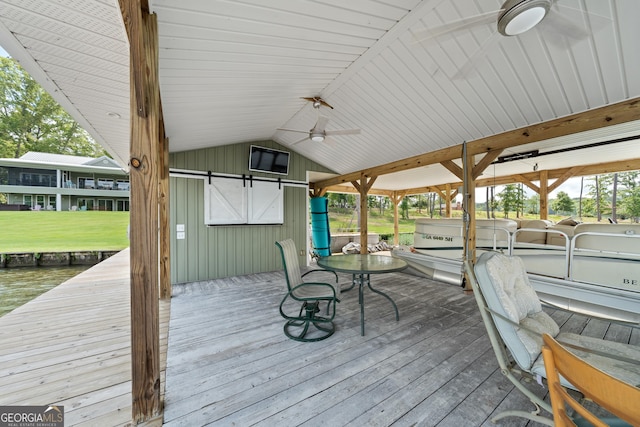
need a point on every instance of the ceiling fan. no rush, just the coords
(561, 25)
(319, 133)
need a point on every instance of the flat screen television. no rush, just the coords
(263, 159)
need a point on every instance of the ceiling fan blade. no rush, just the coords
(450, 28)
(330, 142)
(342, 132)
(567, 25)
(301, 140)
(321, 124)
(478, 57)
(293, 130)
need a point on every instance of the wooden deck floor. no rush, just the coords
(72, 346)
(230, 364)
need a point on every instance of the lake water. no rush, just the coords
(20, 285)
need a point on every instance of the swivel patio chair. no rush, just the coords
(609, 393)
(513, 317)
(311, 295)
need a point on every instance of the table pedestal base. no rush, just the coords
(363, 279)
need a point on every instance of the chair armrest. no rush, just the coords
(333, 295)
(322, 269)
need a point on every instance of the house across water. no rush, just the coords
(43, 181)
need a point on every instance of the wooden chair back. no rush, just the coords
(616, 396)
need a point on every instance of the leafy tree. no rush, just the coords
(629, 180)
(31, 120)
(404, 208)
(600, 193)
(588, 207)
(341, 200)
(563, 203)
(628, 183)
(631, 203)
(511, 199)
(532, 204)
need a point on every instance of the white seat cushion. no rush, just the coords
(505, 285)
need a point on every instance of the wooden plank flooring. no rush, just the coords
(229, 362)
(72, 346)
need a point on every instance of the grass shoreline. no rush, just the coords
(85, 231)
(67, 231)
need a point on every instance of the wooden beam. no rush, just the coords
(564, 177)
(609, 115)
(485, 162)
(594, 169)
(528, 183)
(397, 166)
(596, 118)
(453, 168)
(144, 210)
(443, 194)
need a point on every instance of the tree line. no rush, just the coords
(31, 120)
(615, 196)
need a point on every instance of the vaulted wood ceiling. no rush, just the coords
(235, 71)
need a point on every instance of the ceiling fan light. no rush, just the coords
(317, 137)
(520, 16)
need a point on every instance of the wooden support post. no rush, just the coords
(470, 209)
(396, 198)
(544, 195)
(363, 186)
(447, 203)
(165, 235)
(364, 215)
(145, 170)
(317, 192)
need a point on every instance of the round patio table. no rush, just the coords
(362, 266)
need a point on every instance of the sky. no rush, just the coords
(3, 52)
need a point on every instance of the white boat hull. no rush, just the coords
(595, 272)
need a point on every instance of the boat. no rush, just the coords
(591, 268)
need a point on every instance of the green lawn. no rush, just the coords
(45, 231)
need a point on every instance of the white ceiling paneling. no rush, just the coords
(235, 71)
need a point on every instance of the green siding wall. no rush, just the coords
(223, 251)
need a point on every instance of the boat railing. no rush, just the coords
(611, 244)
(515, 244)
(495, 233)
(614, 236)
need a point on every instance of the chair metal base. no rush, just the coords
(298, 329)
